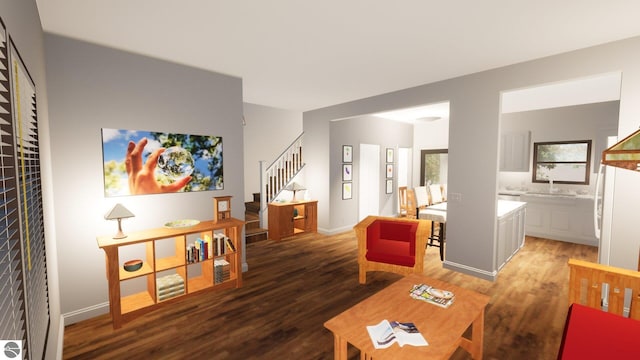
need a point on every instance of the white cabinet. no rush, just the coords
(510, 237)
(514, 151)
(560, 218)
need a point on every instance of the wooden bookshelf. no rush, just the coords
(198, 276)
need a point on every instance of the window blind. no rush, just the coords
(24, 300)
(12, 306)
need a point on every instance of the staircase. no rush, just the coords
(280, 173)
(273, 179)
(253, 231)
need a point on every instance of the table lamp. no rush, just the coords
(294, 186)
(119, 212)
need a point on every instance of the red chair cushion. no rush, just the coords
(391, 252)
(594, 334)
(392, 242)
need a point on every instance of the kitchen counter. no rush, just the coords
(511, 192)
(506, 207)
(568, 195)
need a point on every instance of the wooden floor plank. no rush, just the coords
(294, 286)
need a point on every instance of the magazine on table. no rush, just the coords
(442, 298)
(387, 333)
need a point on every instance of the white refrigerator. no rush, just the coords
(603, 207)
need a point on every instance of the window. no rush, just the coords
(24, 296)
(563, 162)
(434, 166)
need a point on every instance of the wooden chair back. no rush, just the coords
(402, 201)
(411, 205)
(604, 287)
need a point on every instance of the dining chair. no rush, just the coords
(402, 201)
(435, 193)
(422, 197)
(438, 218)
(411, 204)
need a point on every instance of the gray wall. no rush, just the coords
(356, 131)
(23, 26)
(93, 87)
(473, 146)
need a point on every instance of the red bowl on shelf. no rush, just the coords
(133, 265)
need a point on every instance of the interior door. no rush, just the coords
(369, 181)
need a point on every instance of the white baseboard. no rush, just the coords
(335, 231)
(482, 274)
(84, 314)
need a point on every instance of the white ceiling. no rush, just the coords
(425, 113)
(303, 54)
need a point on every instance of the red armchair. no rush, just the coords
(594, 334)
(390, 244)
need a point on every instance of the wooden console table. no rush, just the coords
(442, 328)
(292, 218)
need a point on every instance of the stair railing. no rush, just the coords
(279, 173)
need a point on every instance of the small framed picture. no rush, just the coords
(389, 189)
(389, 171)
(347, 172)
(346, 191)
(389, 155)
(347, 153)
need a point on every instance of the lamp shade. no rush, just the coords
(294, 186)
(118, 212)
(625, 154)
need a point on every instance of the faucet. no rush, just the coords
(551, 189)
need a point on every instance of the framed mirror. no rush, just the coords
(563, 162)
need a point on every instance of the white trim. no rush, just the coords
(85, 313)
(60, 338)
(491, 276)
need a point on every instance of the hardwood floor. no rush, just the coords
(294, 286)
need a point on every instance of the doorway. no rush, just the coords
(575, 110)
(369, 181)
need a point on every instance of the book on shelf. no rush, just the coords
(205, 249)
(169, 286)
(170, 294)
(439, 297)
(220, 244)
(207, 239)
(221, 271)
(230, 245)
(169, 290)
(387, 333)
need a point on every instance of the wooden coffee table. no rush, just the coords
(442, 328)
